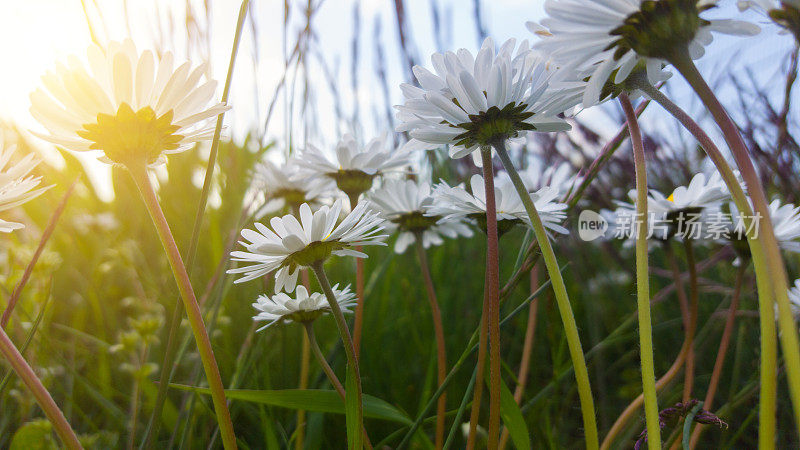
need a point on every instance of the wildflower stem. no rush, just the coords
(344, 333)
(768, 363)
(642, 280)
(142, 180)
(527, 349)
(43, 398)
(483, 334)
(358, 321)
(688, 376)
(312, 339)
(477, 394)
(683, 302)
(491, 293)
(305, 357)
(774, 261)
(51, 226)
(303, 384)
(441, 349)
(171, 348)
(722, 351)
(562, 300)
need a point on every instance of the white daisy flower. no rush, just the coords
(607, 40)
(701, 193)
(785, 221)
(403, 203)
(685, 213)
(794, 298)
(354, 166)
(135, 107)
(456, 203)
(284, 186)
(472, 100)
(561, 177)
(16, 183)
(785, 13)
(291, 244)
(301, 308)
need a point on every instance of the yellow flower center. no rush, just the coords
(132, 137)
(671, 198)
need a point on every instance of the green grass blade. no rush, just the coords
(316, 400)
(351, 410)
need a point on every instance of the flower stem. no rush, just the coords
(643, 281)
(43, 398)
(491, 292)
(344, 333)
(441, 352)
(304, 370)
(477, 394)
(774, 261)
(721, 352)
(312, 339)
(768, 363)
(688, 376)
(562, 300)
(358, 321)
(302, 384)
(51, 226)
(140, 177)
(527, 349)
(683, 302)
(171, 348)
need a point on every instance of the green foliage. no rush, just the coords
(34, 435)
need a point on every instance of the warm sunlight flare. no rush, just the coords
(245, 224)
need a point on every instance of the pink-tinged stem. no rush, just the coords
(441, 352)
(492, 289)
(142, 180)
(43, 398)
(358, 323)
(764, 280)
(51, 226)
(688, 375)
(527, 348)
(724, 343)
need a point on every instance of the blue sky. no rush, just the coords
(38, 32)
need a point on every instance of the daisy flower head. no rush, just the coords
(289, 244)
(608, 40)
(561, 177)
(403, 203)
(17, 185)
(302, 308)
(354, 166)
(133, 106)
(794, 298)
(701, 193)
(785, 223)
(685, 214)
(284, 186)
(468, 102)
(785, 13)
(457, 203)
